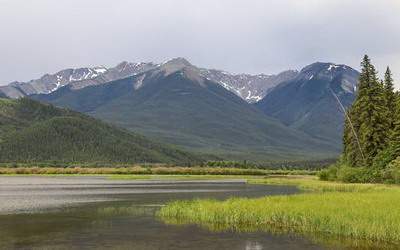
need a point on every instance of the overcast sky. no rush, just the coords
(253, 36)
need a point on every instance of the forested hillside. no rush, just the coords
(32, 132)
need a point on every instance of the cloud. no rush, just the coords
(40, 36)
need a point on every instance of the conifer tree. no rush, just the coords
(352, 148)
(366, 133)
(389, 97)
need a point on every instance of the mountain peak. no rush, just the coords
(313, 101)
(178, 61)
(177, 64)
(325, 66)
(346, 77)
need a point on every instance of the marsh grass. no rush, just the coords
(311, 183)
(356, 212)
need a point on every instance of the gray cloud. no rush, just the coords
(39, 36)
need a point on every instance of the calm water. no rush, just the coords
(87, 213)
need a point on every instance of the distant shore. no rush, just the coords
(141, 171)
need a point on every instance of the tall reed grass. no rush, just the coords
(352, 211)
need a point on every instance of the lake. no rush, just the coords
(97, 213)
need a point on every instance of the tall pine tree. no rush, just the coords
(352, 151)
(366, 132)
(390, 97)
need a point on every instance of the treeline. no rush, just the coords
(372, 132)
(284, 165)
(148, 170)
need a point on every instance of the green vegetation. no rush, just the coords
(366, 132)
(32, 132)
(283, 165)
(372, 133)
(311, 183)
(367, 212)
(134, 171)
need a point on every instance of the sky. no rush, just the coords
(246, 36)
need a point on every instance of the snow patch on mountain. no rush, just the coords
(251, 88)
(333, 66)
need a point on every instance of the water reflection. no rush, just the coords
(253, 245)
(130, 223)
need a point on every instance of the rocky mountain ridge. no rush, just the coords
(251, 88)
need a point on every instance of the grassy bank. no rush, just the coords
(140, 170)
(312, 183)
(353, 211)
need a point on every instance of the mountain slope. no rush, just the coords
(251, 88)
(312, 101)
(34, 132)
(176, 104)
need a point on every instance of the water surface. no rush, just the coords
(96, 213)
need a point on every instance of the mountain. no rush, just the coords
(175, 103)
(314, 100)
(49, 83)
(33, 132)
(79, 78)
(251, 88)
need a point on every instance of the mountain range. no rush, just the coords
(251, 88)
(291, 115)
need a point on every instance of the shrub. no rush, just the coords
(392, 173)
(384, 170)
(328, 174)
(349, 174)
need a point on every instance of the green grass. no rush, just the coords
(369, 213)
(311, 183)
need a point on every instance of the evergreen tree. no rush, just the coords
(390, 98)
(352, 149)
(366, 132)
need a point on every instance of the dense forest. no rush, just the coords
(372, 132)
(35, 133)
